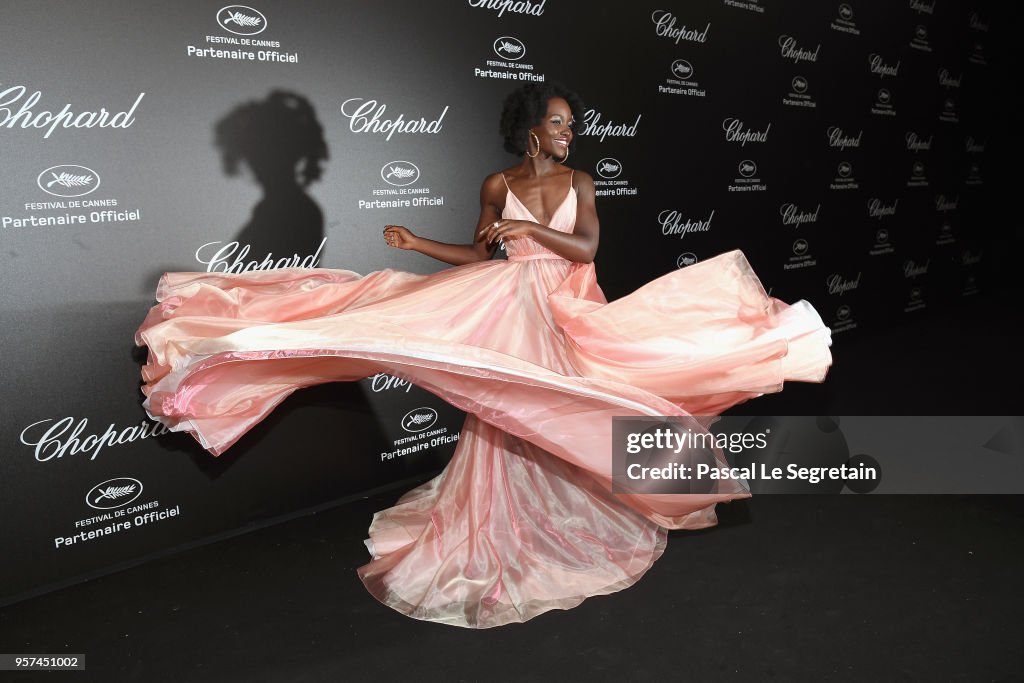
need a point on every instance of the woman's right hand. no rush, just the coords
(399, 236)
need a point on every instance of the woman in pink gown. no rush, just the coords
(523, 519)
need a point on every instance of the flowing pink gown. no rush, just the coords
(522, 520)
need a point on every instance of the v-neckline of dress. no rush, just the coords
(553, 213)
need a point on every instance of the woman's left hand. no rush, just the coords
(506, 229)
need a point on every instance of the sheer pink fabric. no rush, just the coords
(522, 520)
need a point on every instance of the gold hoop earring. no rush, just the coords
(534, 135)
(566, 157)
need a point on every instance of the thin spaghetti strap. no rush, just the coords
(506, 181)
(571, 171)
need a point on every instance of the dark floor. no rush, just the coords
(789, 588)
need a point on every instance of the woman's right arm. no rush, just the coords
(456, 254)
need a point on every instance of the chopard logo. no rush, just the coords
(969, 258)
(366, 116)
(948, 81)
(839, 140)
(912, 269)
(672, 223)
(735, 132)
(56, 441)
(514, 6)
(382, 382)
(878, 66)
(65, 118)
(791, 215)
(221, 261)
(836, 284)
(923, 7)
(241, 20)
(790, 50)
(592, 126)
(943, 204)
(916, 144)
(68, 180)
(876, 209)
(665, 26)
(973, 147)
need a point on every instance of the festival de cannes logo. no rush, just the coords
(682, 69)
(609, 168)
(799, 84)
(920, 40)
(843, 313)
(400, 173)
(419, 419)
(113, 493)
(800, 247)
(844, 21)
(844, 169)
(747, 168)
(509, 48)
(881, 246)
(68, 180)
(241, 20)
(686, 259)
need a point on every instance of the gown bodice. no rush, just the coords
(526, 248)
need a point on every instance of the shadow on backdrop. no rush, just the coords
(281, 141)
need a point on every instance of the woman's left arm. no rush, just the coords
(580, 245)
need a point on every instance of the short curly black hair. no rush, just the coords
(286, 118)
(526, 106)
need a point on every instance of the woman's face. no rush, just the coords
(555, 129)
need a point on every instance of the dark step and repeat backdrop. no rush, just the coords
(841, 146)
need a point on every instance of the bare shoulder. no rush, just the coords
(582, 180)
(493, 183)
(492, 191)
